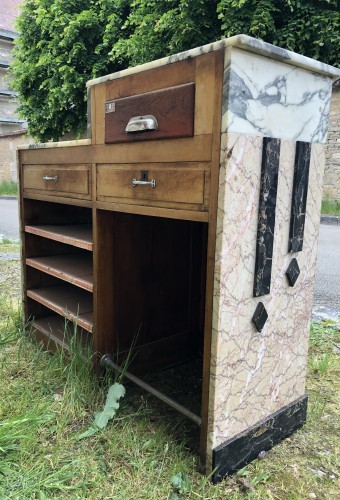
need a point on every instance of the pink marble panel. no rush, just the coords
(255, 374)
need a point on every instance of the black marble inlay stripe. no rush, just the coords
(245, 447)
(299, 199)
(266, 220)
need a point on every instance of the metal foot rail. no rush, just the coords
(107, 361)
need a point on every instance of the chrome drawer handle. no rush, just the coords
(48, 178)
(141, 123)
(151, 183)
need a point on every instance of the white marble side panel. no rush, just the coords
(255, 374)
(270, 98)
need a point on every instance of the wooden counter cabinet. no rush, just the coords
(184, 229)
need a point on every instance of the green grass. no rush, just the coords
(47, 400)
(8, 188)
(8, 245)
(329, 207)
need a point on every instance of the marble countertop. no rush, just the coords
(61, 144)
(240, 41)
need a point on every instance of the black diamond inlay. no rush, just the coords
(293, 272)
(260, 317)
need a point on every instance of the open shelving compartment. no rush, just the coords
(150, 295)
(58, 271)
(147, 299)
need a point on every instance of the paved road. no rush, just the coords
(9, 218)
(327, 287)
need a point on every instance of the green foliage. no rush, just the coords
(181, 485)
(160, 28)
(64, 44)
(309, 27)
(330, 207)
(101, 419)
(60, 47)
(8, 188)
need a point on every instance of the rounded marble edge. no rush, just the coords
(61, 144)
(244, 42)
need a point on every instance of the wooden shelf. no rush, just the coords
(59, 331)
(64, 301)
(75, 268)
(78, 235)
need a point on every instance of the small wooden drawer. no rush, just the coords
(150, 183)
(161, 114)
(70, 181)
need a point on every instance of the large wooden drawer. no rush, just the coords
(70, 181)
(151, 183)
(182, 96)
(161, 114)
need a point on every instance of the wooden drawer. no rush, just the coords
(70, 181)
(161, 114)
(183, 96)
(162, 184)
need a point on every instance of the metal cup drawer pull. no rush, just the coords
(141, 124)
(50, 178)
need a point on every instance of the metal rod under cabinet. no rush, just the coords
(107, 361)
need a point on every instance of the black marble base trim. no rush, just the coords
(245, 447)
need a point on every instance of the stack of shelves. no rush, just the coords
(63, 301)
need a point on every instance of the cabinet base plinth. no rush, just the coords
(245, 447)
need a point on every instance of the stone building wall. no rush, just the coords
(12, 127)
(331, 183)
(8, 146)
